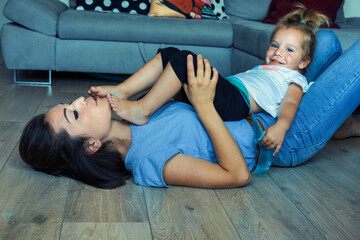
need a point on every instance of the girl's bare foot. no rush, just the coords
(130, 111)
(101, 91)
(350, 128)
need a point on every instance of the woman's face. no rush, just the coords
(89, 117)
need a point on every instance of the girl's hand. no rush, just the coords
(200, 89)
(274, 137)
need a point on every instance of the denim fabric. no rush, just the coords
(328, 49)
(328, 103)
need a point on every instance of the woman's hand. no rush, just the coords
(200, 89)
(231, 169)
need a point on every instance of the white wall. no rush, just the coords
(352, 8)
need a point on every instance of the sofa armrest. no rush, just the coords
(37, 15)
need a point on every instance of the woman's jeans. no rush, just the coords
(333, 97)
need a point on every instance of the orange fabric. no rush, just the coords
(249, 119)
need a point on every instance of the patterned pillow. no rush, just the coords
(195, 9)
(218, 7)
(116, 6)
(279, 8)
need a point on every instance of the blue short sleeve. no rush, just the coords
(149, 171)
(175, 129)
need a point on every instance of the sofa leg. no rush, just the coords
(32, 83)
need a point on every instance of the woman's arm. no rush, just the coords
(231, 170)
(275, 134)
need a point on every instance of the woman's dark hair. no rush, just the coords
(59, 154)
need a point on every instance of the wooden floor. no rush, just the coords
(318, 200)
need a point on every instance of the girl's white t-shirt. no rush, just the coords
(268, 84)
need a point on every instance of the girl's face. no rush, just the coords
(286, 49)
(89, 117)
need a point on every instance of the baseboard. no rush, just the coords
(1, 57)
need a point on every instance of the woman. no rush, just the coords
(82, 132)
(88, 145)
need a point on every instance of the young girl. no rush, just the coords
(276, 88)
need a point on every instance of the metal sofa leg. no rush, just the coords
(32, 83)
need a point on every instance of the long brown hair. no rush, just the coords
(59, 154)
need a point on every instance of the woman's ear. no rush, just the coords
(303, 64)
(92, 145)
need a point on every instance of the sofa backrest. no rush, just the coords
(247, 9)
(72, 3)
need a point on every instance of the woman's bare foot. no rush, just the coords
(130, 111)
(350, 128)
(101, 91)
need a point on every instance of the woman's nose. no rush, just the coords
(79, 101)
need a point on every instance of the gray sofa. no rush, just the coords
(48, 35)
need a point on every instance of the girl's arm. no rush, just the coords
(231, 170)
(275, 134)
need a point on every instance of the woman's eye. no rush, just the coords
(76, 115)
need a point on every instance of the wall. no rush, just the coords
(351, 8)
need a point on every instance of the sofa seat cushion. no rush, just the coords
(89, 25)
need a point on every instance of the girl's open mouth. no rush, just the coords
(275, 62)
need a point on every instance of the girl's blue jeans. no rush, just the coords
(333, 97)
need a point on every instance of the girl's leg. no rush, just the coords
(139, 112)
(228, 100)
(141, 80)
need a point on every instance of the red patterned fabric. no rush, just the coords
(279, 8)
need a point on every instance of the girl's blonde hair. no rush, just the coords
(306, 21)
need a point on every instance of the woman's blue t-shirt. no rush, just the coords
(176, 128)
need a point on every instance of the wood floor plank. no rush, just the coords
(88, 204)
(56, 98)
(9, 135)
(319, 199)
(351, 145)
(31, 203)
(330, 208)
(262, 211)
(6, 78)
(29, 231)
(99, 231)
(341, 164)
(186, 213)
(21, 102)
